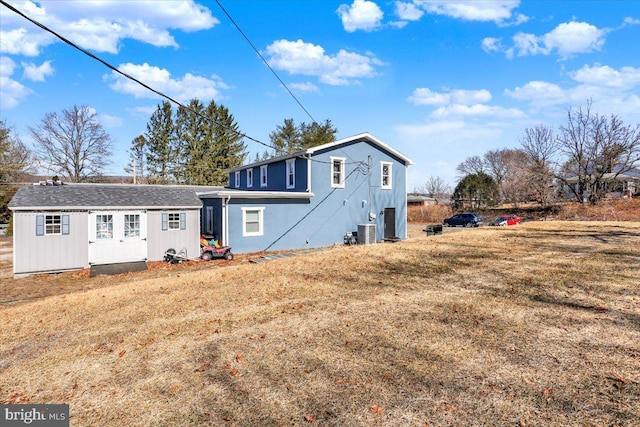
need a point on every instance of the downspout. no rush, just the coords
(225, 225)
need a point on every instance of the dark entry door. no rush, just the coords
(389, 223)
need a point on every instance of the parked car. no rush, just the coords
(467, 219)
(506, 220)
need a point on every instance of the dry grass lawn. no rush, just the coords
(537, 324)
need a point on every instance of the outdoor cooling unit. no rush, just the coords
(366, 234)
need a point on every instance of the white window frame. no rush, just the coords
(51, 223)
(237, 179)
(250, 177)
(260, 231)
(263, 175)
(291, 173)
(342, 162)
(131, 226)
(389, 175)
(173, 221)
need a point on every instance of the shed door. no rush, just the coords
(117, 236)
(389, 223)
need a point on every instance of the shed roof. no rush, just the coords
(107, 196)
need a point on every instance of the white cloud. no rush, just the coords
(628, 21)
(21, 42)
(102, 25)
(598, 75)
(536, 90)
(445, 132)
(305, 87)
(142, 111)
(566, 40)
(361, 15)
(110, 121)
(37, 73)
(485, 11)
(425, 96)
(300, 58)
(408, 11)
(183, 89)
(477, 110)
(11, 92)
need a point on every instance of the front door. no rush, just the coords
(389, 223)
(117, 236)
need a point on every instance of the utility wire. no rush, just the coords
(264, 60)
(111, 67)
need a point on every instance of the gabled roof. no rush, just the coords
(356, 138)
(107, 196)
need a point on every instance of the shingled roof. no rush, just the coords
(107, 196)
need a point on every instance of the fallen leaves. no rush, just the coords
(376, 409)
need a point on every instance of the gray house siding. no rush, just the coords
(160, 240)
(39, 253)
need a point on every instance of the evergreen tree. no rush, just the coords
(193, 144)
(138, 159)
(227, 149)
(478, 189)
(289, 138)
(161, 158)
(316, 134)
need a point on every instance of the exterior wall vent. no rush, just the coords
(366, 234)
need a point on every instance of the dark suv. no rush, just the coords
(467, 219)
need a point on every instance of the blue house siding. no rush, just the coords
(276, 176)
(330, 211)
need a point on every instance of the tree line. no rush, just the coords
(580, 161)
(194, 144)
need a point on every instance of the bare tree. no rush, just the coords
(72, 144)
(435, 187)
(596, 151)
(138, 160)
(472, 165)
(15, 157)
(540, 147)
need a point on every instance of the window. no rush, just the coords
(209, 220)
(291, 173)
(249, 177)
(132, 225)
(52, 225)
(337, 172)
(252, 222)
(237, 176)
(385, 173)
(174, 221)
(104, 227)
(263, 176)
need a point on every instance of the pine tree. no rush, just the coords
(192, 144)
(285, 139)
(161, 158)
(228, 149)
(138, 159)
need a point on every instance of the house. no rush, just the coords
(312, 198)
(420, 200)
(308, 199)
(617, 183)
(72, 226)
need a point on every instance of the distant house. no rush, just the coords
(308, 199)
(420, 200)
(614, 184)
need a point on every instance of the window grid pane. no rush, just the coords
(132, 225)
(104, 226)
(53, 224)
(174, 221)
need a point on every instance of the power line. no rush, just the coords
(111, 67)
(264, 60)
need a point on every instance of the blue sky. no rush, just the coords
(438, 80)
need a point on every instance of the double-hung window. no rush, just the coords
(252, 222)
(291, 173)
(174, 221)
(337, 172)
(52, 224)
(263, 176)
(385, 174)
(237, 179)
(250, 177)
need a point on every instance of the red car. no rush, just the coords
(506, 220)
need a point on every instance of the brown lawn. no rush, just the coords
(537, 324)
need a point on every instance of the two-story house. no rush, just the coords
(311, 198)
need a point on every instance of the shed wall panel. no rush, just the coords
(159, 241)
(32, 254)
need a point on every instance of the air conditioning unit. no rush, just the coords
(366, 234)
